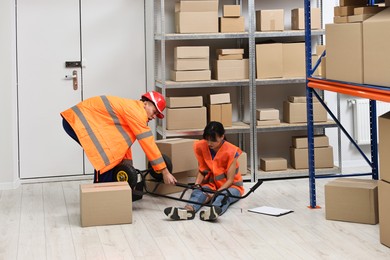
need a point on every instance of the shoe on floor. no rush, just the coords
(179, 213)
(210, 214)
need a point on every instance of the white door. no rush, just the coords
(108, 37)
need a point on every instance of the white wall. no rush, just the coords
(8, 117)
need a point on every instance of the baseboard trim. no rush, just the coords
(10, 185)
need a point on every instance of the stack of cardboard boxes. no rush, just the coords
(294, 110)
(298, 18)
(323, 153)
(220, 109)
(185, 113)
(280, 60)
(191, 63)
(354, 11)
(230, 65)
(270, 20)
(231, 21)
(267, 116)
(384, 182)
(196, 16)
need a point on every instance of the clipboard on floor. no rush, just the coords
(271, 211)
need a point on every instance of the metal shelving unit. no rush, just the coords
(360, 90)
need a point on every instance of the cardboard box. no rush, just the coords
(343, 10)
(243, 163)
(273, 164)
(353, 2)
(196, 6)
(384, 145)
(320, 49)
(368, 10)
(231, 69)
(321, 69)
(268, 122)
(301, 141)
(267, 114)
(181, 153)
(323, 157)
(296, 112)
(269, 60)
(340, 19)
(384, 212)
(344, 52)
(186, 118)
(230, 57)
(221, 113)
(352, 200)
(105, 204)
(229, 51)
(192, 52)
(376, 49)
(294, 60)
(190, 75)
(298, 18)
(231, 24)
(206, 22)
(191, 64)
(180, 102)
(219, 98)
(358, 18)
(165, 189)
(300, 99)
(270, 20)
(231, 10)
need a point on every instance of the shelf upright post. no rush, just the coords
(309, 105)
(163, 61)
(252, 89)
(374, 139)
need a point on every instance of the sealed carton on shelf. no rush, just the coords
(268, 122)
(294, 60)
(296, 112)
(358, 18)
(181, 153)
(273, 164)
(206, 22)
(231, 24)
(231, 69)
(353, 2)
(243, 163)
(190, 75)
(230, 57)
(323, 157)
(196, 6)
(344, 52)
(368, 10)
(298, 18)
(376, 49)
(105, 204)
(269, 60)
(221, 98)
(221, 113)
(344, 10)
(229, 51)
(384, 144)
(180, 102)
(185, 177)
(340, 19)
(300, 99)
(320, 48)
(186, 118)
(192, 52)
(270, 20)
(321, 69)
(352, 200)
(191, 64)
(301, 141)
(267, 114)
(231, 10)
(384, 212)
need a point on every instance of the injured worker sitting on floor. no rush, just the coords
(218, 171)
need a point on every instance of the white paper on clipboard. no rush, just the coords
(270, 211)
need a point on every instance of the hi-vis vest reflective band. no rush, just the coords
(107, 126)
(215, 171)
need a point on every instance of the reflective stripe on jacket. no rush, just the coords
(107, 126)
(215, 170)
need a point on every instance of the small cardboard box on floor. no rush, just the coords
(105, 204)
(352, 200)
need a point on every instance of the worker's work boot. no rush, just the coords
(179, 213)
(211, 213)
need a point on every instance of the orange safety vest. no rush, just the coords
(107, 126)
(215, 170)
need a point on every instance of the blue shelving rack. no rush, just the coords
(365, 91)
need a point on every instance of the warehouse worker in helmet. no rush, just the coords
(107, 126)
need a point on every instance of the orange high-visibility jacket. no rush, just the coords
(107, 126)
(215, 171)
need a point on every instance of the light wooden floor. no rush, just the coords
(41, 221)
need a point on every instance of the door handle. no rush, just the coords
(74, 78)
